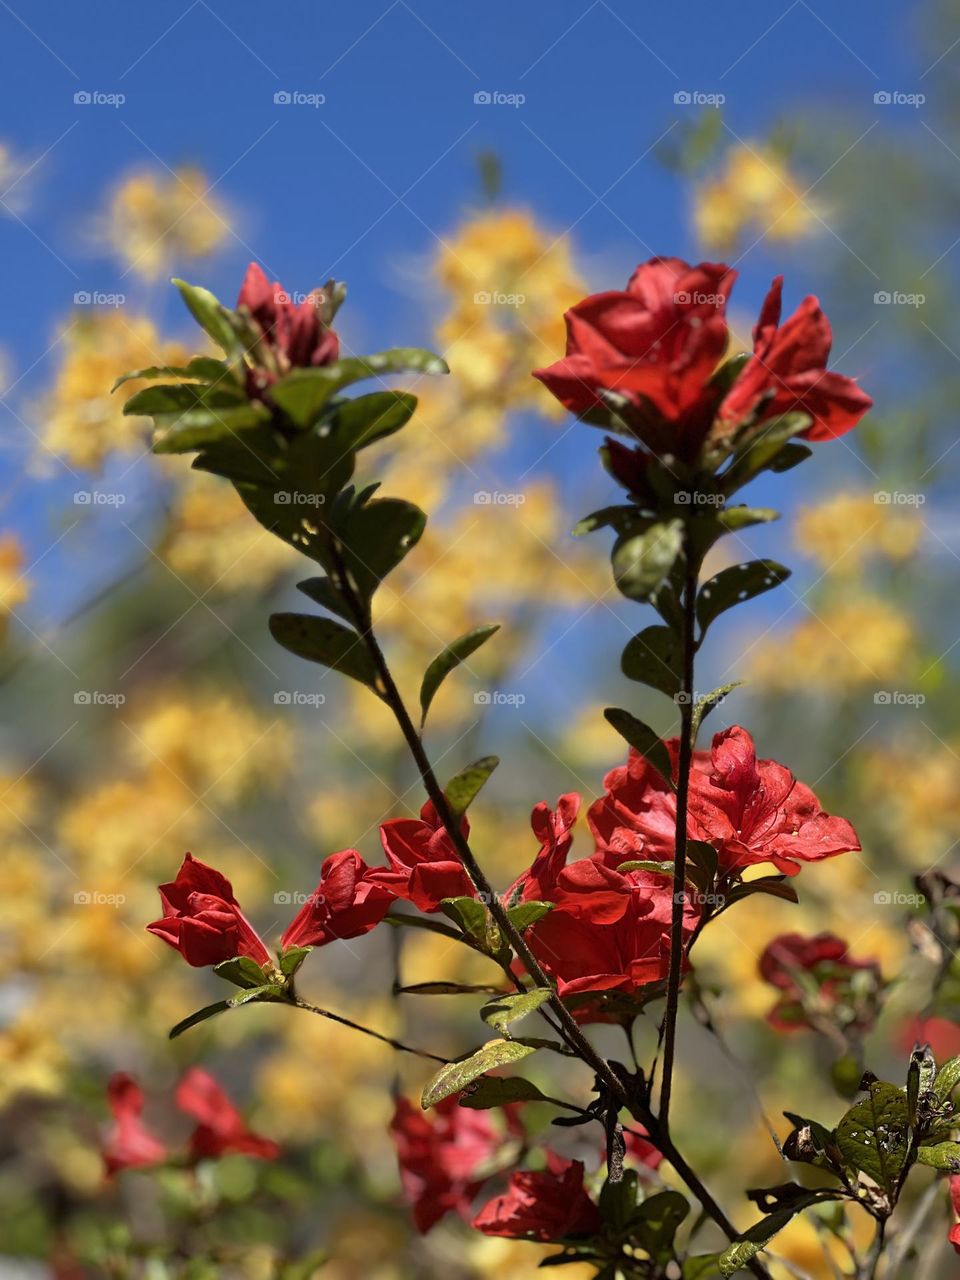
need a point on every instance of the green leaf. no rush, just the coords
(643, 739)
(241, 971)
(655, 1223)
(212, 316)
(654, 658)
(269, 991)
(201, 1015)
(618, 1200)
(761, 446)
(620, 517)
(735, 585)
(740, 1254)
(469, 913)
(455, 1076)
(874, 1135)
(303, 393)
(327, 642)
(322, 592)
(453, 655)
(705, 532)
(463, 789)
(375, 537)
(402, 921)
(773, 886)
(363, 420)
(705, 1266)
(944, 1156)
(710, 700)
(702, 861)
(948, 1077)
(503, 1011)
(809, 1142)
(524, 914)
(292, 959)
(199, 369)
(641, 561)
(790, 456)
(499, 1091)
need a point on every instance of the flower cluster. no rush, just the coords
(219, 1130)
(819, 982)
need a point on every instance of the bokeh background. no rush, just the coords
(470, 171)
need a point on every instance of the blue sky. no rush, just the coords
(365, 184)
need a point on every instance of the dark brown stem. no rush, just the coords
(685, 698)
(367, 1031)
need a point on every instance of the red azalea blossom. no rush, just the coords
(345, 904)
(423, 865)
(295, 333)
(554, 830)
(446, 1157)
(659, 342)
(546, 1207)
(752, 811)
(129, 1144)
(942, 1035)
(954, 1234)
(202, 919)
(821, 968)
(788, 373)
(221, 1129)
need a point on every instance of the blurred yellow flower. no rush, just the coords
(913, 790)
(753, 192)
(845, 530)
(864, 640)
(212, 539)
(32, 1058)
(158, 219)
(83, 422)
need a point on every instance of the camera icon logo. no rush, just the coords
(82, 899)
(682, 98)
(482, 698)
(482, 298)
(882, 98)
(882, 298)
(882, 698)
(282, 98)
(283, 898)
(282, 498)
(82, 298)
(483, 98)
(883, 898)
(282, 698)
(82, 98)
(82, 698)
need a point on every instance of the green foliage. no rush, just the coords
(642, 560)
(455, 1076)
(654, 657)
(736, 585)
(503, 1011)
(452, 656)
(642, 738)
(327, 642)
(464, 787)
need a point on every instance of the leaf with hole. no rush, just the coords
(874, 1135)
(739, 583)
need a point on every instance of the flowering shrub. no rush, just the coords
(681, 837)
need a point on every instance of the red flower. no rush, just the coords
(424, 866)
(788, 373)
(752, 811)
(202, 919)
(941, 1034)
(755, 811)
(608, 932)
(954, 1234)
(554, 830)
(221, 1128)
(345, 904)
(546, 1207)
(817, 970)
(129, 1144)
(446, 1157)
(657, 343)
(294, 333)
